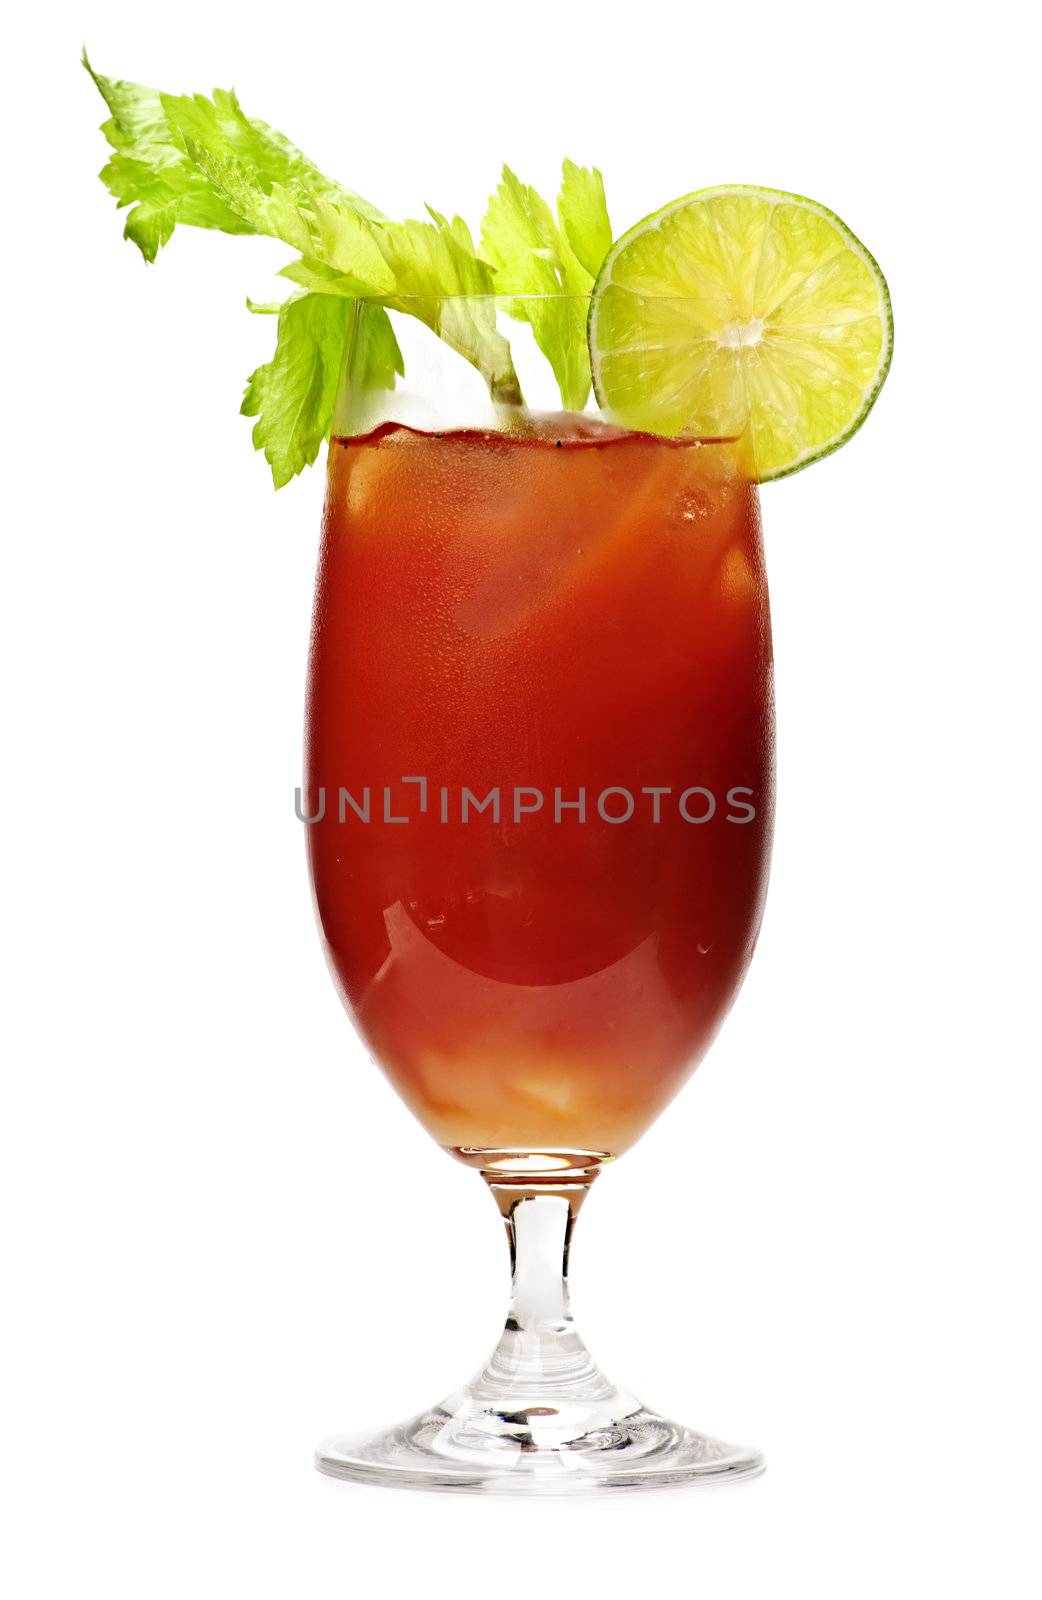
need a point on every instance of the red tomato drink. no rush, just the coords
(540, 748)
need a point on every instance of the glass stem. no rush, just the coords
(540, 1355)
(539, 1231)
(541, 1392)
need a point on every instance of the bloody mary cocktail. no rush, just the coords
(560, 637)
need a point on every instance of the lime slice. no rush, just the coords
(738, 307)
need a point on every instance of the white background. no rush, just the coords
(223, 1235)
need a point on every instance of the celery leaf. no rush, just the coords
(536, 266)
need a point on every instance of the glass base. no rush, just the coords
(541, 1417)
(539, 1450)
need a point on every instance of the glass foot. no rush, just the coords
(534, 1450)
(541, 1417)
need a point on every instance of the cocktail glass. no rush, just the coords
(539, 798)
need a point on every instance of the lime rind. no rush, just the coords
(745, 307)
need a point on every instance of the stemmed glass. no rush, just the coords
(538, 797)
